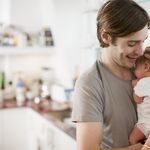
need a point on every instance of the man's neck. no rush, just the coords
(119, 71)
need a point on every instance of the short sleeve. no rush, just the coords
(88, 102)
(142, 88)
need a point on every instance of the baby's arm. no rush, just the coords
(136, 135)
(137, 99)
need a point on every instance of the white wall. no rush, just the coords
(5, 11)
(63, 17)
(26, 14)
(146, 6)
(68, 14)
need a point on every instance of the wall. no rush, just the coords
(146, 6)
(63, 17)
(69, 28)
(5, 11)
(68, 14)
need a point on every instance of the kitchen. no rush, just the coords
(54, 64)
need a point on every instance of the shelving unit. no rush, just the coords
(142, 1)
(90, 49)
(8, 50)
(90, 11)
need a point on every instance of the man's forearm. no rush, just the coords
(147, 143)
(133, 147)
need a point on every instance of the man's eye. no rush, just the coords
(131, 45)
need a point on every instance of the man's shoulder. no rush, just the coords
(89, 77)
(90, 73)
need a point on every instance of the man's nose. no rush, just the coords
(140, 49)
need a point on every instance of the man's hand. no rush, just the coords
(148, 50)
(146, 143)
(134, 82)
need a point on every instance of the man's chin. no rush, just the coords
(125, 64)
(129, 66)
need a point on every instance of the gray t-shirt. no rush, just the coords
(107, 99)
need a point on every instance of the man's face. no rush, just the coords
(127, 49)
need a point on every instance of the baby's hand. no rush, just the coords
(147, 55)
(134, 82)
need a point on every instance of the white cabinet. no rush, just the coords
(14, 135)
(25, 129)
(47, 135)
(1, 124)
(63, 141)
(40, 132)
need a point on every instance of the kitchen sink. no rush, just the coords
(61, 115)
(64, 116)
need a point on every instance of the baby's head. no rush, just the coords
(142, 66)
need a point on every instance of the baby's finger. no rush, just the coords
(147, 56)
(147, 49)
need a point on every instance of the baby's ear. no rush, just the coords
(146, 67)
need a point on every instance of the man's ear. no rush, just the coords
(105, 36)
(146, 66)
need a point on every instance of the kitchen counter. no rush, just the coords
(44, 109)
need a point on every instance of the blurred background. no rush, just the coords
(44, 46)
(23, 26)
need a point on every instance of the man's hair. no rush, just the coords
(142, 59)
(121, 18)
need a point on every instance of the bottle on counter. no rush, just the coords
(47, 79)
(3, 80)
(20, 92)
(1, 98)
(29, 95)
(9, 91)
(2, 87)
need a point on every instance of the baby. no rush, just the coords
(141, 95)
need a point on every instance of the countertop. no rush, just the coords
(43, 109)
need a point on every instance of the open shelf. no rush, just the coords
(90, 11)
(142, 1)
(8, 50)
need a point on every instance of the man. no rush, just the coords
(104, 108)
